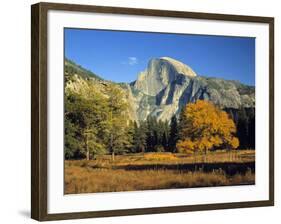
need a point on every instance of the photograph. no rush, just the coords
(154, 111)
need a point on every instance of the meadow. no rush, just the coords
(150, 171)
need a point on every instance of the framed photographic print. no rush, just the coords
(138, 111)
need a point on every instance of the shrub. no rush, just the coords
(159, 148)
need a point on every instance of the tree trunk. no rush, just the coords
(204, 159)
(112, 155)
(111, 147)
(205, 155)
(88, 154)
(87, 149)
(195, 160)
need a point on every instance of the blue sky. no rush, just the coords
(119, 56)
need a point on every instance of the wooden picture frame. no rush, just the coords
(39, 110)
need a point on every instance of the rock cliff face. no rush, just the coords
(167, 85)
(159, 74)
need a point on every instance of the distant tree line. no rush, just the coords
(71, 68)
(150, 136)
(244, 119)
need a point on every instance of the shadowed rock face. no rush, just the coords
(167, 85)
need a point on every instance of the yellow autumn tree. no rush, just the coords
(203, 126)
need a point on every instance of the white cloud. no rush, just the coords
(132, 60)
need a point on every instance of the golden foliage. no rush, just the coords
(185, 146)
(234, 143)
(204, 126)
(159, 156)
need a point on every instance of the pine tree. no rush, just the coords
(243, 128)
(116, 121)
(252, 130)
(173, 135)
(140, 143)
(129, 144)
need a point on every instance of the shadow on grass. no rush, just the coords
(228, 168)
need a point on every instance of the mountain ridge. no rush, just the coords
(167, 85)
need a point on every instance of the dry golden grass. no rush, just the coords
(104, 175)
(160, 156)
